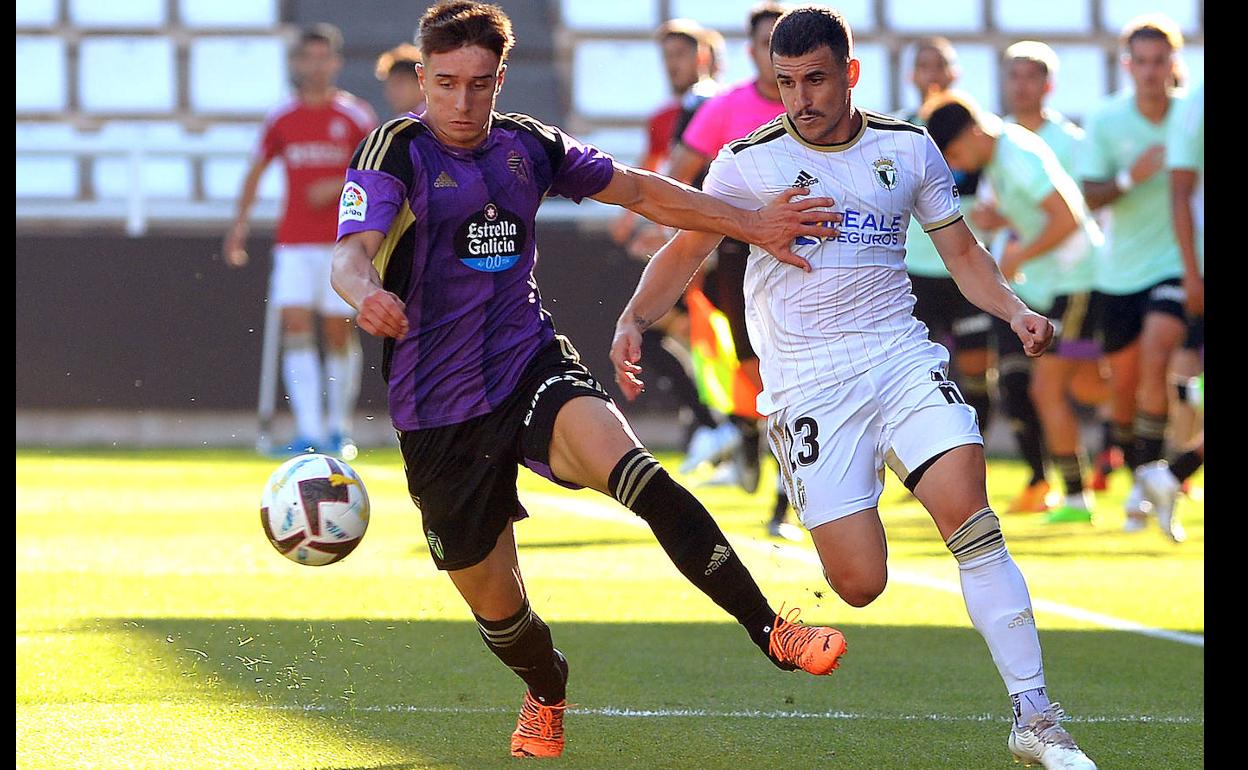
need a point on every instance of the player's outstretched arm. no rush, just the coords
(1182, 187)
(773, 227)
(1059, 223)
(661, 284)
(234, 247)
(353, 276)
(979, 280)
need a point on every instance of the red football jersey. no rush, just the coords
(314, 143)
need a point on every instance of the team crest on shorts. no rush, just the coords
(885, 173)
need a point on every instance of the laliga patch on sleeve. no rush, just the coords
(354, 203)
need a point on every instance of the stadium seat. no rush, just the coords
(237, 74)
(1116, 13)
(54, 175)
(636, 15)
(627, 145)
(980, 64)
(223, 177)
(1082, 80)
(933, 18)
(872, 91)
(142, 132)
(1194, 61)
(162, 177)
(228, 14)
(617, 78)
(1028, 16)
(144, 64)
(42, 86)
(731, 15)
(36, 13)
(132, 14)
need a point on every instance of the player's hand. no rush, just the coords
(1149, 163)
(986, 218)
(782, 220)
(625, 353)
(649, 239)
(1194, 294)
(1011, 260)
(383, 314)
(1035, 332)
(621, 228)
(233, 248)
(323, 192)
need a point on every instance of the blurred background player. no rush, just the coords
(688, 58)
(1050, 252)
(396, 69)
(725, 118)
(1185, 159)
(950, 318)
(1142, 320)
(314, 134)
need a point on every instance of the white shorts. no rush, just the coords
(833, 448)
(301, 279)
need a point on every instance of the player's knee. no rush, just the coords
(860, 587)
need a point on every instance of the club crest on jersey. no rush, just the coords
(515, 162)
(885, 173)
(354, 203)
(491, 240)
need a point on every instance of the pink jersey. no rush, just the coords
(727, 117)
(315, 143)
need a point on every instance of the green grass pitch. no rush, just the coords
(156, 628)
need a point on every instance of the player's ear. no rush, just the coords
(420, 74)
(852, 71)
(502, 75)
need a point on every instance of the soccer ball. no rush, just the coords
(314, 509)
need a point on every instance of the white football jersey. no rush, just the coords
(855, 309)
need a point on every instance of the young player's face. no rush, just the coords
(402, 92)
(815, 91)
(966, 152)
(460, 89)
(933, 73)
(315, 65)
(680, 58)
(1026, 83)
(1150, 61)
(760, 45)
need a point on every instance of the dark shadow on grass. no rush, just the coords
(430, 689)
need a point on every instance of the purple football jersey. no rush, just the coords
(460, 253)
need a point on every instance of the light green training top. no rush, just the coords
(1185, 149)
(1024, 171)
(1140, 247)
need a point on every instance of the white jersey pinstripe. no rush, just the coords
(855, 309)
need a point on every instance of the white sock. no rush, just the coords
(1000, 609)
(301, 374)
(342, 370)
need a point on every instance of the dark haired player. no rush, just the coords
(851, 381)
(396, 69)
(436, 250)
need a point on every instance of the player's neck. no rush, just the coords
(317, 97)
(769, 90)
(1152, 106)
(1032, 121)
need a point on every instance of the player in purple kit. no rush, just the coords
(436, 251)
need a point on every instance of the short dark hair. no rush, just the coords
(321, 33)
(947, 117)
(403, 59)
(805, 29)
(454, 24)
(764, 12)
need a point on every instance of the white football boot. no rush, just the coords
(1161, 488)
(710, 445)
(1138, 508)
(1044, 741)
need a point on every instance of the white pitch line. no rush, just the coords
(594, 510)
(633, 713)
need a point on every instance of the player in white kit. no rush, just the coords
(851, 381)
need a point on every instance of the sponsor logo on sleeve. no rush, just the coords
(354, 203)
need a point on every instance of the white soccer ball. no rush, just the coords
(314, 509)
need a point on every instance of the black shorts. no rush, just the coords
(1074, 326)
(463, 476)
(1120, 317)
(948, 314)
(1195, 334)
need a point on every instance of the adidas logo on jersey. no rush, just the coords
(720, 555)
(805, 180)
(444, 180)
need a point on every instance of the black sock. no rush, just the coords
(1186, 464)
(975, 389)
(1150, 437)
(1024, 421)
(522, 642)
(1123, 437)
(1071, 468)
(693, 541)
